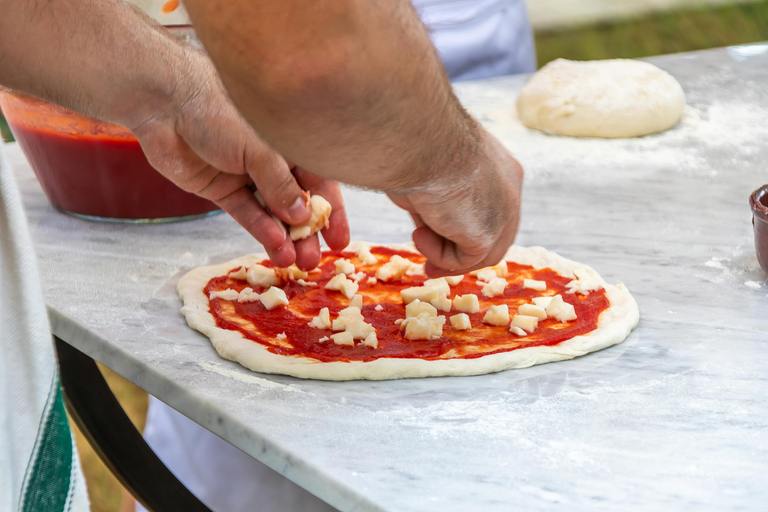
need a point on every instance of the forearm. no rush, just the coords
(353, 90)
(101, 57)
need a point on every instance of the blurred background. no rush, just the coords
(581, 30)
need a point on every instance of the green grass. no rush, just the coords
(5, 132)
(659, 34)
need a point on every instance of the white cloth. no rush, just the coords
(475, 39)
(39, 465)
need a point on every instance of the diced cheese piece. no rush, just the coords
(273, 297)
(349, 288)
(259, 275)
(359, 329)
(453, 280)
(533, 284)
(399, 321)
(344, 266)
(248, 295)
(417, 329)
(358, 276)
(442, 303)
(501, 268)
(467, 303)
(416, 269)
(495, 287)
(486, 274)
(324, 338)
(542, 301)
(351, 312)
(228, 294)
(394, 269)
(516, 330)
(561, 310)
(372, 281)
(293, 272)
(422, 293)
(281, 336)
(371, 341)
(335, 282)
(379, 307)
(240, 273)
(436, 324)
(497, 315)
(343, 338)
(418, 307)
(302, 282)
(441, 284)
(365, 256)
(585, 282)
(532, 310)
(461, 322)
(321, 212)
(322, 320)
(357, 301)
(525, 322)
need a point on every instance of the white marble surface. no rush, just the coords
(675, 418)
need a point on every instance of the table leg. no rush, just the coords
(113, 437)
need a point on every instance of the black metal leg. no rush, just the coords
(110, 432)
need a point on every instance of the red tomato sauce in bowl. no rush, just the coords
(94, 169)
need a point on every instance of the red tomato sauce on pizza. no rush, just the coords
(263, 326)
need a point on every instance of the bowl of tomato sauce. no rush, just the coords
(93, 169)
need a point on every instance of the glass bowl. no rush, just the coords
(93, 169)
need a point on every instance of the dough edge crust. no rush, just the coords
(614, 325)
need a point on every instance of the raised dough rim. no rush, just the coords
(614, 325)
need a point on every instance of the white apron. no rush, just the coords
(39, 465)
(475, 39)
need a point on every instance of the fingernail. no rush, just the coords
(298, 209)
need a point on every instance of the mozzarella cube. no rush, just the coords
(561, 310)
(417, 307)
(468, 303)
(585, 282)
(461, 322)
(497, 315)
(422, 293)
(417, 329)
(365, 257)
(248, 295)
(335, 282)
(358, 276)
(322, 320)
(349, 288)
(453, 280)
(240, 273)
(293, 272)
(441, 284)
(516, 330)
(372, 281)
(357, 301)
(273, 297)
(259, 275)
(495, 287)
(416, 269)
(359, 329)
(324, 338)
(436, 324)
(321, 212)
(345, 317)
(542, 301)
(525, 322)
(532, 310)
(343, 338)
(344, 266)
(394, 269)
(308, 284)
(371, 341)
(300, 232)
(379, 307)
(486, 274)
(442, 303)
(533, 284)
(228, 294)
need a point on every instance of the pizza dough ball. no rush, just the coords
(606, 98)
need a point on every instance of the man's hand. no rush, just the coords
(200, 142)
(465, 224)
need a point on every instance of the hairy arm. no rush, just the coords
(354, 91)
(106, 59)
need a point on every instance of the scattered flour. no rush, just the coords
(249, 379)
(753, 284)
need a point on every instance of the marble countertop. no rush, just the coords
(674, 418)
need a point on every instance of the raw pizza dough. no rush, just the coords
(614, 325)
(605, 98)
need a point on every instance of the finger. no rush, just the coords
(307, 252)
(445, 254)
(336, 235)
(277, 185)
(244, 208)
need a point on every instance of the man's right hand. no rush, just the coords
(467, 222)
